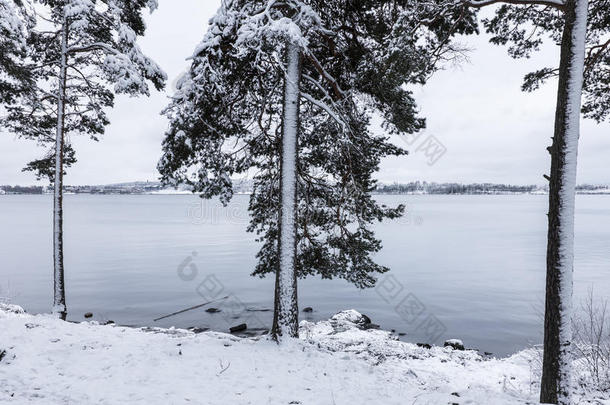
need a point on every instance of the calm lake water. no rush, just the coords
(468, 267)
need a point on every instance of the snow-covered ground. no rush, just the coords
(47, 361)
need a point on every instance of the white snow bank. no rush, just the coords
(48, 361)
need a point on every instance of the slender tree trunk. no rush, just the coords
(286, 314)
(556, 370)
(59, 295)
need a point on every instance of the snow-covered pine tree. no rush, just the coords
(284, 91)
(14, 24)
(81, 53)
(582, 29)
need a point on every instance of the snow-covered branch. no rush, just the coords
(339, 93)
(12, 25)
(98, 46)
(559, 4)
(322, 105)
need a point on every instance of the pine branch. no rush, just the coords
(558, 4)
(97, 46)
(594, 54)
(339, 93)
(326, 108)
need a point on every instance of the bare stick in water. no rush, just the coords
(191, 308)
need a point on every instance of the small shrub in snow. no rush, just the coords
(591, 327)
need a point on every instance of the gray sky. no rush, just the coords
(492, 131)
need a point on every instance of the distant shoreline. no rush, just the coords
(246, 186)
(174, 193)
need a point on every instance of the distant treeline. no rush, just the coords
(416, 187)
(21, 189)
(591, 187)
(424, 187)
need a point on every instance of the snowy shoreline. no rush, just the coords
(47, 361)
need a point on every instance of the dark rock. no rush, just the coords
(88, 315)
(369, 325)
(366, 319)
(424, 345)
(238, 328)
(109, 322)
(488, 353)
(393, 331)
(455, 394)
(2, 354)
(402, 334)
(308, 309)
(455, 344)
(254, 332)
(258, 310)
(212, 310)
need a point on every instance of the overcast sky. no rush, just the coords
(491, 131)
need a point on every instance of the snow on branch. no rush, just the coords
(13, 20)
(339, 93)
(124, 64)
(285, 20)
(260, 30)
(322, 105)
(559, 4)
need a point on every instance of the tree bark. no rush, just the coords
(555, 385)
(286, 314)
(59, 291)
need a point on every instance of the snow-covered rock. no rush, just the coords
(456, 344)
(48, 361)
(10, 308)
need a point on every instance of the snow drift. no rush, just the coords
(339, 361)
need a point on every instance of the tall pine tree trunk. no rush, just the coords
(59, 291)
(286, 314)
(556, 371)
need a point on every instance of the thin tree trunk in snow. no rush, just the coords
(59, 295)
(556, 371)
(285, 318)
